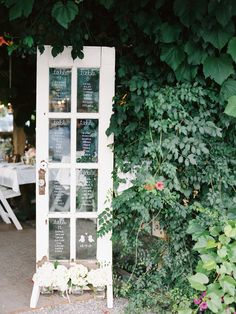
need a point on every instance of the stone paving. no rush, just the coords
(84, 307)
(17, 261)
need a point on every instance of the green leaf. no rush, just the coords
(209, 261)
(107, 3)
(198, 280)
(228, 284)
(211, 244)
(228, 89)
(218, 68)
(222, 252)
(188, 11)
(223, 239)
(186, 311)
(229, 230)
(214, 294)
(185, 72)
(232, 213)
(217, 36)
(56, 50)
(195, 54)
(194, 227)
(232, 48)
(201, 243)
(192, 159)
(232, 252)
(228, 299)
(64, 13)
(169, 33)
(230, 109)
(28, 41)
(172, 55)
(19, 8)
(209, 265)
(223, 13)
(214, 303)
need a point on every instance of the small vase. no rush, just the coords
(47, 291)
(77, 290)
(99, 292)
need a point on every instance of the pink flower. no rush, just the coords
(197, 301)
(203, 306)
(203, 294)
(159, 185)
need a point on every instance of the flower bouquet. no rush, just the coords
(77, 279)
(52, 276)
(29, 158)
(97, 280)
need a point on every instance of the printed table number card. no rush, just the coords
(59, 190)
(87, 140)
(86, 238)
(59, 140)
(59, 90)
(86, 190)
(59, 238)
(88, 90)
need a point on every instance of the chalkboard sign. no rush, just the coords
(59, 238)
(87, 140)
(86, 239)
(59, 140)
(86, 190)
(88, 90)
(59, 90)
(59, 190)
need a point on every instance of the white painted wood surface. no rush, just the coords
(102, 58)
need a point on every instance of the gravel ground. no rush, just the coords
(85, 307)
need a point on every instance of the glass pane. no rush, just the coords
(59, 140)
(86, 190)
(88, 90)
(59, 90)
(87, 140)
(59, 190)
(59, 238)
(86, 239)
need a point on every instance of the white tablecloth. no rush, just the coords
(12, 175)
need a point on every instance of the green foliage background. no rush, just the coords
(175, 78)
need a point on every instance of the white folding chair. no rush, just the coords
(6, 211)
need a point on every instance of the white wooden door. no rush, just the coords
(74, 163)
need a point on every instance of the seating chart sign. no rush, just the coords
(59, 238)
(86, 190)
(59, 140)
(86, 239)
(87, 90)
(59, 190)
(87, 140)
(59, 90)
(74, 163)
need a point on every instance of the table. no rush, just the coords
(12, 175)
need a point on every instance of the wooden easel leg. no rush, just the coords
(11, 214)
(109, 296)
(4, 215)
(34, 296)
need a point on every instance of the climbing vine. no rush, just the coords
(175, 82)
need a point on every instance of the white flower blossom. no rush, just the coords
(61, 278)
(44, 275)
(78, 275)
(98, 277)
